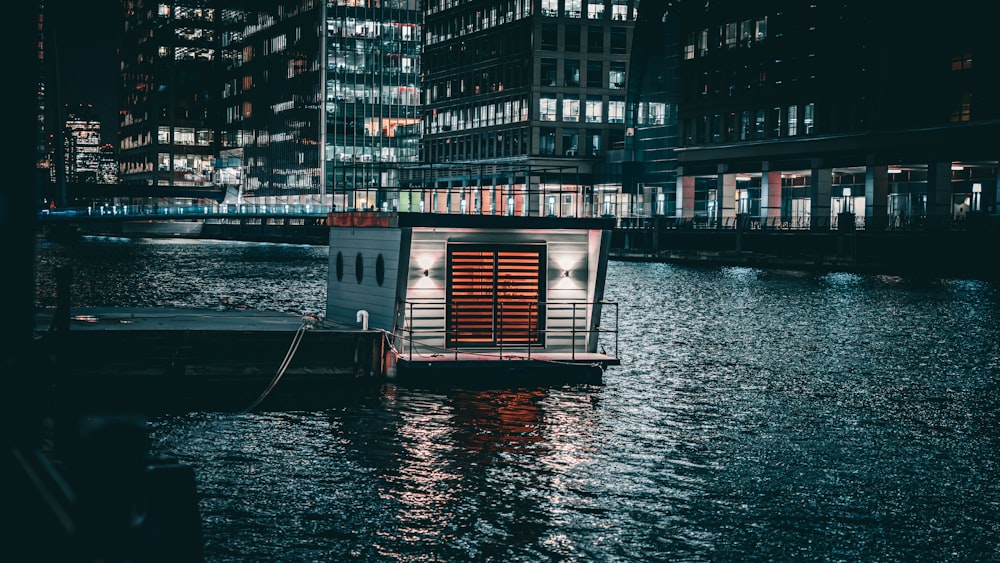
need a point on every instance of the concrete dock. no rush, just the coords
(175, 360)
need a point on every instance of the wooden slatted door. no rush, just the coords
(494, 295)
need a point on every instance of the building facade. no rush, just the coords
(777, 113)
(323, 98)
(524, 101)
(373, 63)
(169, 127)
(82, 145)
(273, 102)
(790, 114)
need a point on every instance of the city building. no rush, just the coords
(372, 99)
(789, 114)
(322, 100)
(107, 164)
(524, 105)
(382, 105)
(81, 145)
(170, 134)
(774, 113)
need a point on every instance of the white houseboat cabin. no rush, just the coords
(463, 295)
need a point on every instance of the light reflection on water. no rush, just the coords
(758, 414)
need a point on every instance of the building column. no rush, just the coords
(990, 200)
(876, 196)
(685, 196)
(821, 182)
(725, 196)
(770, 193)
(938, 193)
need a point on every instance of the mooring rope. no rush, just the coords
(308, 322)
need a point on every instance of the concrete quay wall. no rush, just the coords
(939, 253)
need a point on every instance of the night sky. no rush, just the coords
(84, 37)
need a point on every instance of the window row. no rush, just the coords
(475, 146)
(569, 142)
(729, 35)
(502, 112)
(572, 74)
(750, 125)
(184, 136)
(368, 29)
(476, 80)
(616, 38)
(592, 109)
(343, 92)
(473, 21)
(590, 9)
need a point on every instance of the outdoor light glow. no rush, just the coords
(957, 167)
(565, 263)
(977, 188)
(426, 260)
(893, 170)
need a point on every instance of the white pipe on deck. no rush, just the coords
(363, 319)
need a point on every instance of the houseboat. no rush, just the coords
(467, 296)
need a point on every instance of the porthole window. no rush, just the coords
(340, 266)
(379, 270)
(359, 268)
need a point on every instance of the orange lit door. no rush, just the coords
(494, 295)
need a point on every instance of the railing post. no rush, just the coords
(572, 341)
(499, 329)
(410, 330)
(447, 327)
(616, 330)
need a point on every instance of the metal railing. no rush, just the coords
(426, 330)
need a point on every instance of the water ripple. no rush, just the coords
(758, 415)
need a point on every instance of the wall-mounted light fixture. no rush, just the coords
(426, 273)
(565, 273)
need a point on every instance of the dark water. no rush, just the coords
(758, 415)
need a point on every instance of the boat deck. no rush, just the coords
(534, 366)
